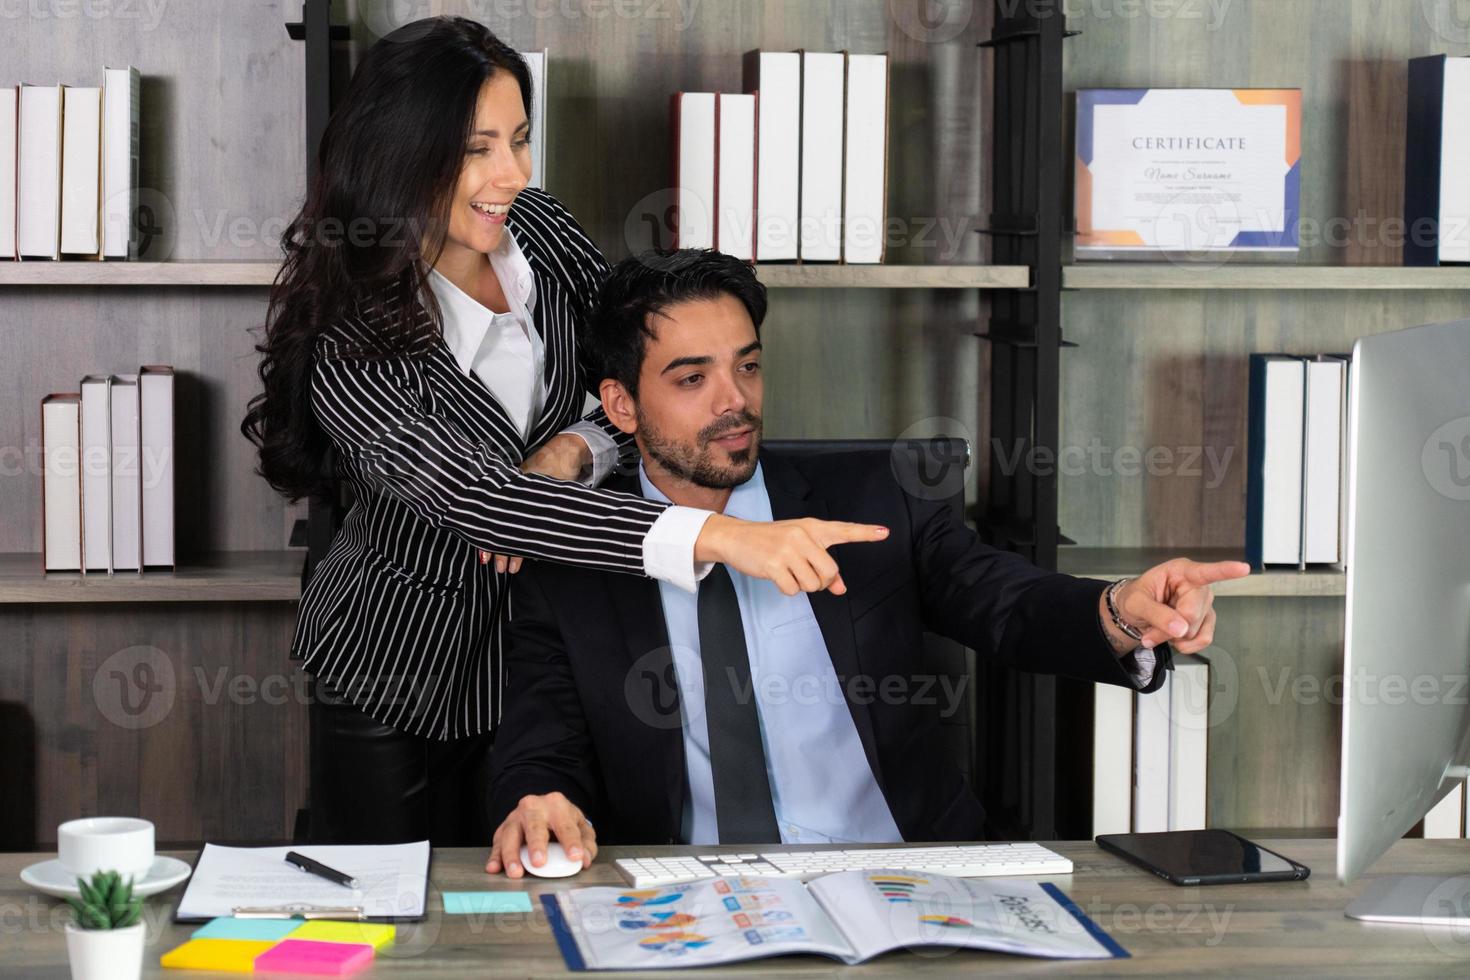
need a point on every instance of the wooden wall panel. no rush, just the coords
(189, 717)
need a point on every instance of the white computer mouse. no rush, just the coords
(557, 865)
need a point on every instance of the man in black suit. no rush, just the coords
(752, 712)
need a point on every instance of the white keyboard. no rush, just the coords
(960, 861)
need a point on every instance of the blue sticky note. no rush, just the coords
(267, 930)
(467, 903)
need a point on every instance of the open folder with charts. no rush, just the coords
(850, 916)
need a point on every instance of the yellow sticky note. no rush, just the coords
(373, 934)
(226, 955)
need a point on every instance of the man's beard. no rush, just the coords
(696, 464)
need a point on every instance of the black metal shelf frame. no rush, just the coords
(1028, 775)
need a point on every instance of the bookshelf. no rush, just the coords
(224, 576)
(1160, 362)
(257, 274)
(1239, 276)
(184, 273)
(1111, 564)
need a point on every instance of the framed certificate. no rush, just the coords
(1188, 173)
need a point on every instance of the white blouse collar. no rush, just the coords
(466, 320)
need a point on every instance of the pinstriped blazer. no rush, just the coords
(401, 617)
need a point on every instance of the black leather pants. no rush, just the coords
(373, 784)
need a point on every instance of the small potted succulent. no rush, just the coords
(105, 940)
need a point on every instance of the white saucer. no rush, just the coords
(48, 878)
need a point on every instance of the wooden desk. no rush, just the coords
(1294, 928)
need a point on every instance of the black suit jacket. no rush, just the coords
(592, 705)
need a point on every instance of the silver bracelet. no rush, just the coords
(1132, 632)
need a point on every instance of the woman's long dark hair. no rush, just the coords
(374, 221)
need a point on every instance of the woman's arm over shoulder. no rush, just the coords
(567, 247)
(376, 413)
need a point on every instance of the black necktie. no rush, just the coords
(743, 808)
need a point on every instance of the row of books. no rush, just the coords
(1297, 461)
(793, 168)
(107, 473)
(69, 168)
(1151, 754)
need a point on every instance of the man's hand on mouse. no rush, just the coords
(1170, 603)
(532, 823)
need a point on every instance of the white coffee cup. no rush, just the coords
(92, 844)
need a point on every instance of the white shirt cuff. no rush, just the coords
(1141, 666)
(604, 452)
(668, 548)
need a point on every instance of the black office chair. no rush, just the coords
(935, 469)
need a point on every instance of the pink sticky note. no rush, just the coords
(320, 959)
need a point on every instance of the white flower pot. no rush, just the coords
(105, 954)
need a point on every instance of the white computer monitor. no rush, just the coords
(1406, 703)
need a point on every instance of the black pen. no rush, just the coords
(320, 870)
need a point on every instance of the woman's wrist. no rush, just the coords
(709, 546)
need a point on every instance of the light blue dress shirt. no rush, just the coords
(822, 786)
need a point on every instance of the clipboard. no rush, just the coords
(286, 908)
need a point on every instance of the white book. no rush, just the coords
(865, 180)
(97, 473)
(1322, 460)
(694, 177)
(1446, 819)
(735, 223)
(1151, 760)
(1454, 186)
(1274, 493)
(822, 82)
(38, 173)
(81, 170)
(1189, 727)
(121, 129)
(1112, 759)
(9, 146)
(156, 423)
(775, 78)
(61, 490)
(127, 478)
(536, 63)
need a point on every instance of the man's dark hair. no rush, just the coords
(649, 283)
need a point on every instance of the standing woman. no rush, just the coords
(420, 346)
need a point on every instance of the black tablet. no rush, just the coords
(1203, 857)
